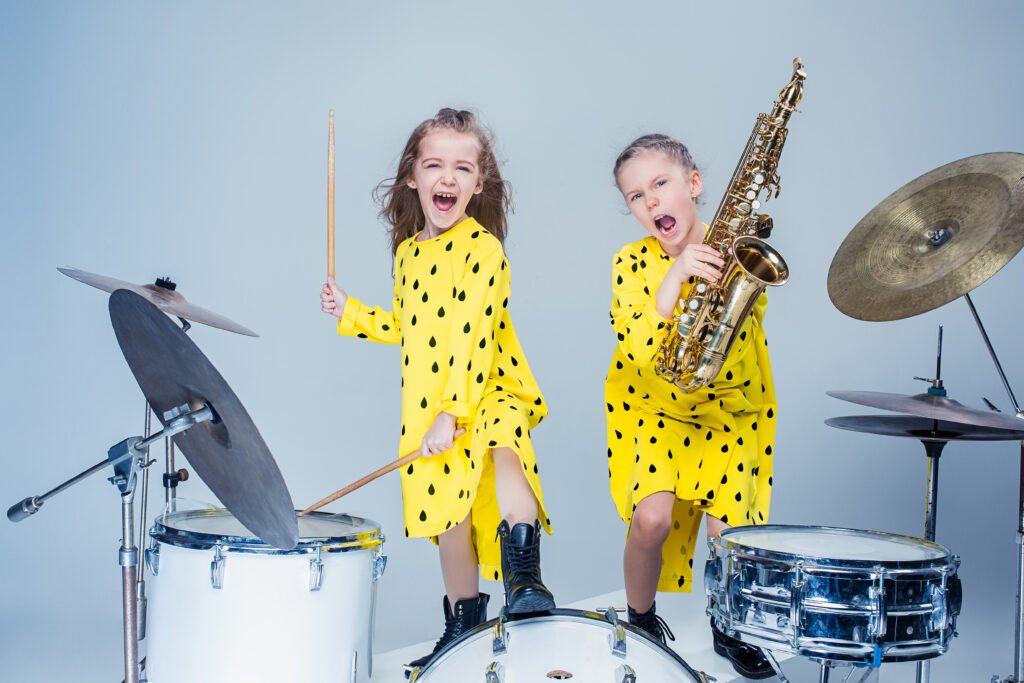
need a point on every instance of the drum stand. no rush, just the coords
(128, 458)
(1018, 653)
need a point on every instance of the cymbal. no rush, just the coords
(228, 453)
(164, 298)
(933, 240)
(932, 407)
(922, 429)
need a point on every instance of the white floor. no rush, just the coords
(685, 616)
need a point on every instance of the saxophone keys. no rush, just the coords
(743, 208)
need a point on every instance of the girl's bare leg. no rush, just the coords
(516, 499)
(715, 526)
(652, 520)
(458, 562)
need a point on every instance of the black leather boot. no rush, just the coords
(525, 592)
(748, 660)
(650, 622)
(467, 614)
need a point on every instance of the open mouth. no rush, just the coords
(444, 201)
(665, 223)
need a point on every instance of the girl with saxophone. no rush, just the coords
(674, 457)
(478, 495)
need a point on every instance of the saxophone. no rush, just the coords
(699, 338)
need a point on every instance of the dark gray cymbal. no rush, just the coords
(167, 300)
(228, 453)
(922, 428)
(932, 240)
(931, 406)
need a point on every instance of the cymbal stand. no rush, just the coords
(1018, 653)
(128, 458)
(171, 479)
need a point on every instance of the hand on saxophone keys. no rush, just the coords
(699, 260)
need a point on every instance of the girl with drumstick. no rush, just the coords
(675, 456)
(478, 495)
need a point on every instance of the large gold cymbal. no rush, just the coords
(933, 240)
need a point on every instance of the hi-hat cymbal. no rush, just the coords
(228, 453)
(932, 407)
(933, 240)
(166, 299)
(922, 428)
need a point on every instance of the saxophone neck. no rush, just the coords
(792, 92)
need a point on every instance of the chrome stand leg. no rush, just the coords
(128, 558)
(826, 672)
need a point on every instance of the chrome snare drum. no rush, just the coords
(564, 644)
(225, 606)
(835, 594)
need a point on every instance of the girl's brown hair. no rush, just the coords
(659, 143)
(400, 204)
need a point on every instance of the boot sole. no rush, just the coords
(530, 604)
(754, 674)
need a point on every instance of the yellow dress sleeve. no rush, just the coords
(375, 324)
(480, 299)
(639, 327)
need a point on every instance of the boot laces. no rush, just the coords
(523, 559)
(655, 625)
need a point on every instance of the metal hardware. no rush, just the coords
(316, 572)
(625, 674)
(355, 666)
(796, 603)
(495, 673)
(217, 569)
(377, 567)
(617, 638)
(499, 639)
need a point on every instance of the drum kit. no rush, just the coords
(864, 598)
(266, 587)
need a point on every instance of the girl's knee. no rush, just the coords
(650, 525)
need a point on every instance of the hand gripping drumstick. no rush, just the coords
(330, 197)
(368, 478)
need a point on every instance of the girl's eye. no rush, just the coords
(635, 196)
(660, 182)
(466, 169)
(432, 164)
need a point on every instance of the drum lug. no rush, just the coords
(625, 674)
(217, 569)
(380, 562)
(796, 604)
(316, 571)
(495, 673)
(153, 557)
(617, 638)
(877, 625)
(499, 639)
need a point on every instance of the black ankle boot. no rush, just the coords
(525, 593)
(650, 622)
(748, 660)
(467, 614)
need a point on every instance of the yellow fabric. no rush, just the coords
(459, 354)
(713, 447)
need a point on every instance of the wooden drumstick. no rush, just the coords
(330, 197)
(368, 478)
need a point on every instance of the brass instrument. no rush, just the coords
(700, 337)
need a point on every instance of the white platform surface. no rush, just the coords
(684, 614)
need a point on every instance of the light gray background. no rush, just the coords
(188, 139)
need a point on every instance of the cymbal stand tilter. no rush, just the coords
(128, 458)
(1018, 652)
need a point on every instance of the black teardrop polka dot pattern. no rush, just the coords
(712, 448)
(462, 356)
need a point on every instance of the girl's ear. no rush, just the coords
(696, 184)
(411, 184)
(479, 186)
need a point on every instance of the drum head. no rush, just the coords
(217, 526)
(563, 644)
(848, 546)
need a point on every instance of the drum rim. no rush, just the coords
(164, 531)
(729, 544)
(560, 614)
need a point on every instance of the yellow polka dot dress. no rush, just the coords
(712, 447)
(459, 354)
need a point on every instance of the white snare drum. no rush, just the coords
(226, 607)
(836, 594)
(562, 645)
